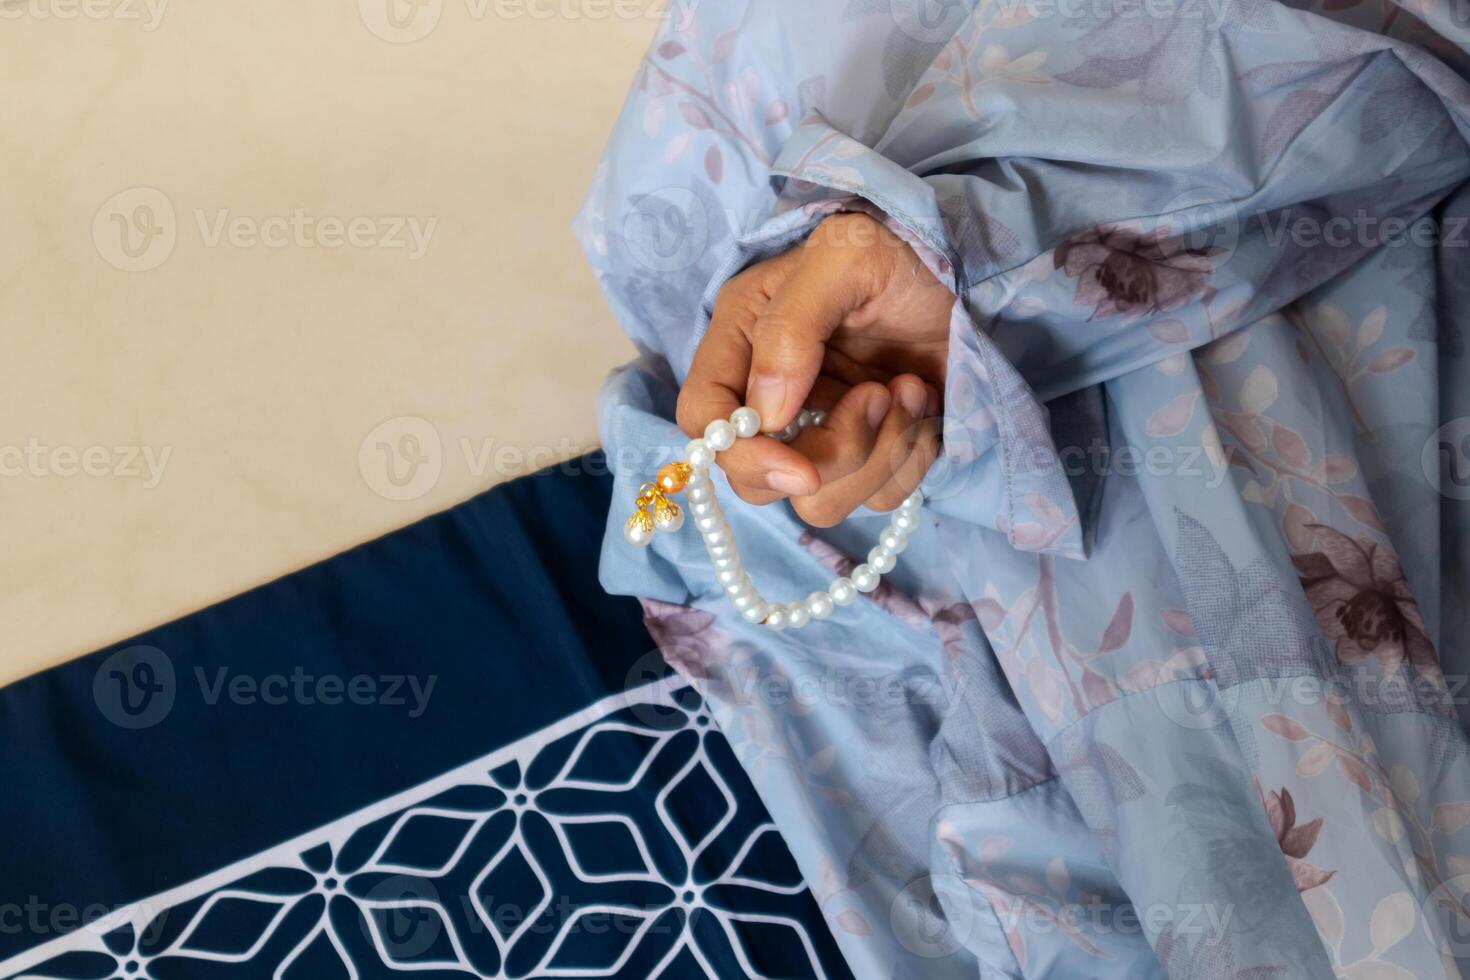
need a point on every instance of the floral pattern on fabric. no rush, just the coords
(1171, 682)
(1296, 841)
(1121, 273)
(1363, 604)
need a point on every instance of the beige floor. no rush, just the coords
(218, 325)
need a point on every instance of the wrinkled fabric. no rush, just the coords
(1172, 681)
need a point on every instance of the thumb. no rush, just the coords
(790, 336)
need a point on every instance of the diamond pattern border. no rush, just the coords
(610, 844)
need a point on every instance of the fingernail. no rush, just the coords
(787, 482)
(767, 394)
(912, 397)
(877, 407)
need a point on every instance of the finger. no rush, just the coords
(715, 386)
(838, 365)
(707, 393)
(741, 468)
(842, 444)
(827, 391)
(790, 334)
(712, 390)
(762, 465)
(767, 470)
(715, 383)
(895, 442)
(760, 470)
(910, 472)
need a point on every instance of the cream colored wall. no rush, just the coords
(204, 410)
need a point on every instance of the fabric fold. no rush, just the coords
(1209, 263)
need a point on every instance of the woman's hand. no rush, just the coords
(850, 322)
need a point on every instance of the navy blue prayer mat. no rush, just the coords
(446, 752)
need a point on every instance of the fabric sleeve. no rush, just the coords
(1013, 148)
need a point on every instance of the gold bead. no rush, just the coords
(673, 477)
(648, 495)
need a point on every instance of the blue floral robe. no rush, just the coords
(1172, 681)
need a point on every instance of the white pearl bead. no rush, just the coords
(719, 435)
(881, 561)
(704, 509)
(699, 454)
(747, 422)
(744, 600)
(757, 612)
(728, 561)
(669, 521)
(905, 522)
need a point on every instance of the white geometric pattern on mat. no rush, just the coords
(353, 899)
